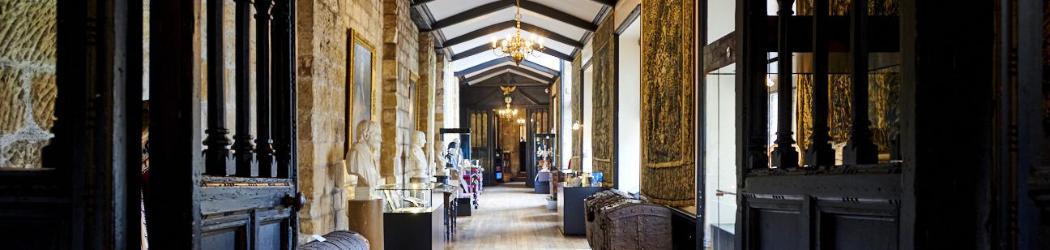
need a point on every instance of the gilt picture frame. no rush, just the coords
(361, 87)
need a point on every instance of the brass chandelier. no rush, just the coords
(516, 46)
(507, 111)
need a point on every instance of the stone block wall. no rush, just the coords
(440, 65)
(323, 31)
(424, 99)
(400, 69)
(27, 80)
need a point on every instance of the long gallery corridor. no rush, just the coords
(511, 216)
(569, 124)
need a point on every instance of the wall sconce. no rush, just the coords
(577, 125)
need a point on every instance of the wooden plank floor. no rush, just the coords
(510, 216)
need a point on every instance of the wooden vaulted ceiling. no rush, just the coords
(464, 30)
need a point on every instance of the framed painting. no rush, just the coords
(361, 85)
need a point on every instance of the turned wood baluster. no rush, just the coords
(217, 156)
(820, 152)
(283, 86)
(263, 142)
(860, 149)
(752, 84)
(242, 145)
(784, 155)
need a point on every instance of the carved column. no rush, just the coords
(217, 156)
(820, 152)
(784, 155)
(860, 149)
(242, 145)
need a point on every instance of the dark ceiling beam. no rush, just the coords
(421, 17)
(420, 2)
(532, 101)
(484, 48)
(610, 3)
(510, 79)
(498, 61)
(489, 30)
(475, 12)
(503, 4)
(511, 69)
(519, 81)
(558, 15)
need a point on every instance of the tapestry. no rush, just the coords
(577, 112)
(668, 167)
(604, 95)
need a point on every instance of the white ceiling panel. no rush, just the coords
(552, 24)
(510, 64)
(582, 9)
(501, 72)
(442, 9)
(507, 14)
(487, 41)
(483, 21)
(471, 61)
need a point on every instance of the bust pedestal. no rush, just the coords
(366, 218)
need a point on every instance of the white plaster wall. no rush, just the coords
(588, 114)
(566, 114)
(629, 152)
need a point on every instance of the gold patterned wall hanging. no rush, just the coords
(668, 166)
(602, 145)
(883, 110)
(577, 112)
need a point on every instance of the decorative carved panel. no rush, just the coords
(604, 103)
(667, 102)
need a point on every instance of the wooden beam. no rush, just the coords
(497, 61)
(513, 69)
(610, 3)
(483, 48)
(475, 12)
(420, 2)
(482, 66)
(489, 30)
(503, 4)
(515, 80)
(838, 35)
(558, 15)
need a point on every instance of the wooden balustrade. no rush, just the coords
(860, 149)
(272, 152)
(784, 155)
(820, 153)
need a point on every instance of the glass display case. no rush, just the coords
(407, 198)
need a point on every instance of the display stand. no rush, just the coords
(417, 228)
(570, 208)
(364, 216)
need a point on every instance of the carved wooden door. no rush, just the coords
(210, 191)
(818, 127)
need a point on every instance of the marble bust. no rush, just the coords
(416, 167)
(363, 160)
